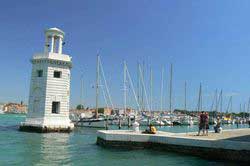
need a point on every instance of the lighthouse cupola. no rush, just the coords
(53, 40)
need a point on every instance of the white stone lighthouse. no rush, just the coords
(50, 87)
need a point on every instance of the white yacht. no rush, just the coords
(167, 122)
(156, 122)
(92, 122)
(187, 120)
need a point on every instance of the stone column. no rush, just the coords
(60, 45)
(55, 42)
(52, 44)
(46, 44)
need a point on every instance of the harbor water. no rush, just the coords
(79, 148)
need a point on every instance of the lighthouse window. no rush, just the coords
(55, 107)
(57, 74)
(39, 73)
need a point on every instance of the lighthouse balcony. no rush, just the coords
(52, 56)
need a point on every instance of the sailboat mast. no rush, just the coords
(248, 109)
(229, 106)
(185, 96)
(162, 81)
(216, 101)
(151, 89)
(81, 92)
(124, 86)
(138, 85)
(97, 84)
(221, 99)
(170, 88)
(199, 107)
(200, 98)
(244, 111)
(143, 76)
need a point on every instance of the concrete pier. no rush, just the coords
(230, 145)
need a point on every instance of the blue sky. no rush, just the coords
(207, 42)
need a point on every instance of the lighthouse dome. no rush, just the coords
(54, 31)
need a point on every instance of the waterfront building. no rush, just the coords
(1, 106)
(14, 108)
(48, 108)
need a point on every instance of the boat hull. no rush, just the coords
(91, 123)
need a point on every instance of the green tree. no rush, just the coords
(79, 107)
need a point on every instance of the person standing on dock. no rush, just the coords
(202, 124)
(206, 122)
(217, 127)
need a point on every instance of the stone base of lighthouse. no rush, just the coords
(42, 125)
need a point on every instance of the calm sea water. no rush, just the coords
(79, 148)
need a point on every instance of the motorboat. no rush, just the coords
(187, 120)
(167, 122)
(157, 122)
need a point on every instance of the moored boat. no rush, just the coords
(92, 122)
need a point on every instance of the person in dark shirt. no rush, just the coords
(202, 123)
(206, 123)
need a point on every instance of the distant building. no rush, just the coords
(104, 111)
(1, 106)
(129, 111)
(15, 108)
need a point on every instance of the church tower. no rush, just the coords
(48, 109)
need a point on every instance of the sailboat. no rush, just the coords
(187, 119)
(165, 119)
(215, 100)
(157, 122)
(127, 79)
(174, 119)
(199, 104)
(227, 119)
(96, 121)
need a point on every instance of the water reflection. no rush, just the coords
(45, 149)
(54, 149)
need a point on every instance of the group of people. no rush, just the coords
(150, 130)
(204, 123)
